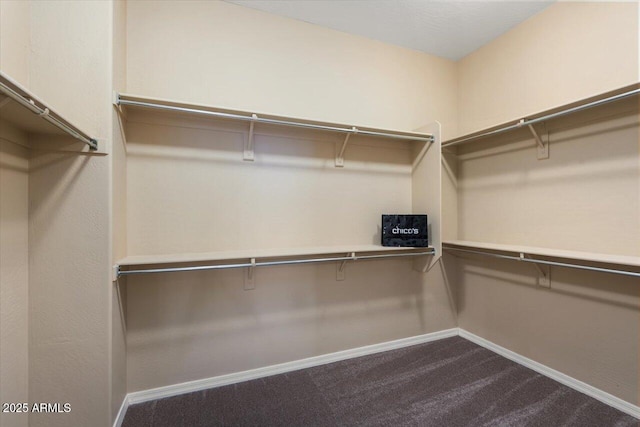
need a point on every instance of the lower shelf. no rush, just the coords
(621, 264)
(259, 258)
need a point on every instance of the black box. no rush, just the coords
(405, 231)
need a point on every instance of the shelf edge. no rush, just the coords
(625, 260)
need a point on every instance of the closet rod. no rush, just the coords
(27, 102)
(406, 136)
(540, 261)
(525, 122)
(269, 263)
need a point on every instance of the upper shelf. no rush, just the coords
(252, 118)
(247, 116)
(529, 121)
(28, 113)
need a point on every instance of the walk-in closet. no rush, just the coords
(296, 213)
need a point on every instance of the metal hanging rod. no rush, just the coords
(13, 91)
(257, 119)
(528, 122)
(553, 263)
(354, 257)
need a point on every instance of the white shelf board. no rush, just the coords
(568, 108)
(555, 253)
(262, 115)
(136, 260)
(25, 120)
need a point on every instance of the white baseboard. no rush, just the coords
(609, 399)
(123, 410)
(191, 386)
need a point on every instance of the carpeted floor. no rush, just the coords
(450, 382)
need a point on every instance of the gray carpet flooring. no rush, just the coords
(450, 382)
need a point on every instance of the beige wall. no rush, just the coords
(14, 272)
(14, 235)
(189, 190)
(190, 326)
(69, 276)
(15, 25)
(161, 196)
(585, 197)
(586, 326)
(242, 58)
(291, 196)
(569, 51)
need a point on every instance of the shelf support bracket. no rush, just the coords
(340, 153)
(341, 271)
(250, 276)
(116, 103)
(542, 142)
(248, 147)
(544, 272)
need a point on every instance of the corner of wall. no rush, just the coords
(117, 217)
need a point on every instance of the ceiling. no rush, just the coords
(449, 29)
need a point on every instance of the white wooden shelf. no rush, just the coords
(261, 253)
(253, 118)
(28, 113)
(530, 121)
(425, 177)
(576, 256)
(249, 258)
(555, 253)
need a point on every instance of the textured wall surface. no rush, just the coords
(189, 191)
(69, 275)
(15, 26)
(242, 58)
(190, 326)
(569, 51)
(586, 326)
(14, 218)
(14, 272)
(585, 197)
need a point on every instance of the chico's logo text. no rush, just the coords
(398, 230)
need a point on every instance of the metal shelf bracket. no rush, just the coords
(545, 262)
(544, 271)
(250, 277)
(340, 153)
(248, 147)
(542, 141)
(44, 112)
(553, 115)
(341, 269)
